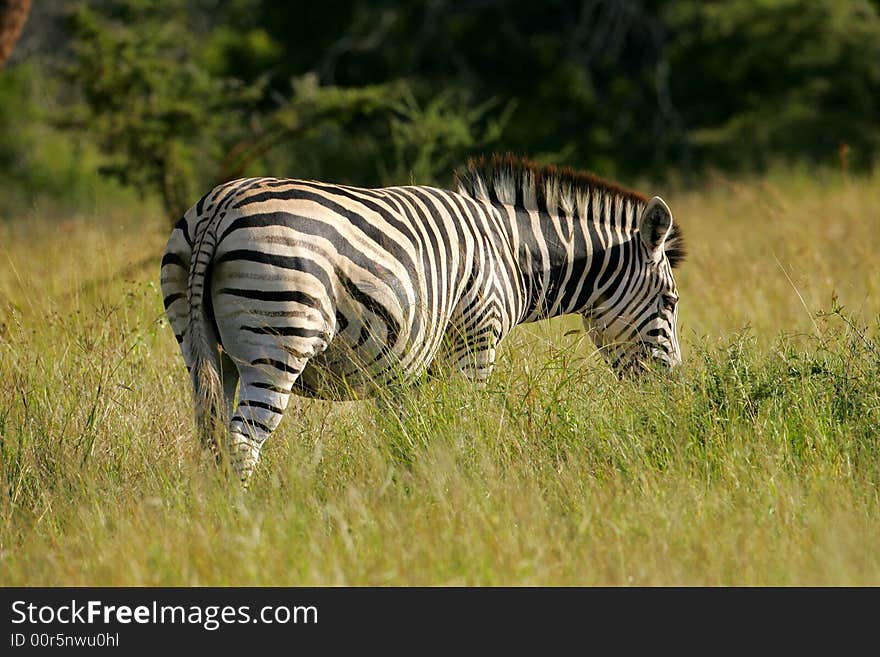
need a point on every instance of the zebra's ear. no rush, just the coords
(655, 224)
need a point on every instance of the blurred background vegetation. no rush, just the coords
(168, 98)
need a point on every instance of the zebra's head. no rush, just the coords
(635, 323)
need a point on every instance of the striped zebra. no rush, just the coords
(275, 286)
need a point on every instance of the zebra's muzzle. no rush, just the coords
(637, 363)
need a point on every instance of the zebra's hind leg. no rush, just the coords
(262, 397)
(229, 374)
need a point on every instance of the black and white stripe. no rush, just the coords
(276, 286)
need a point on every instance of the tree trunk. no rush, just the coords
(13, 14)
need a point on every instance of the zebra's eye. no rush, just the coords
(668, 301)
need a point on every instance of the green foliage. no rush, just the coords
(789, 78)
(310, 108)
(170, 119)
(428, 142)
(180, 95)
(36, 160)
(152, 108)
(623, 88)
(248, 54)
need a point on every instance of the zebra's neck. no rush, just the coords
(571, 258)
(569, 233)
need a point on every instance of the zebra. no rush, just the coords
(277, 286)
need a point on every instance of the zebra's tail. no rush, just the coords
(209, 404)
(203, 346)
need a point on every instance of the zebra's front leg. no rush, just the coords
(477, 332)
(478, 360)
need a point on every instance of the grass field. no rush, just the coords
(758, 462)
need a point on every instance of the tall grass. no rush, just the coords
(758, 462)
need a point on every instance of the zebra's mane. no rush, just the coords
(520, 182)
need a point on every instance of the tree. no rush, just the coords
(13, 15)
(757, 81)
(170, 116)
(152, 107)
